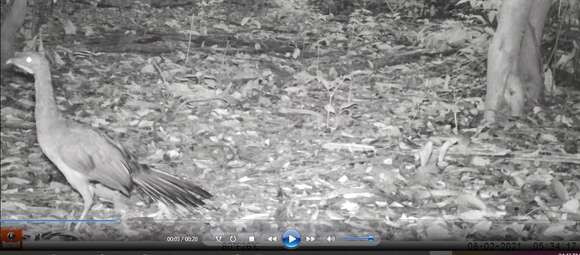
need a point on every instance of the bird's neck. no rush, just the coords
(46, 110)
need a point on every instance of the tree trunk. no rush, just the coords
(10, 25)
(514, 68)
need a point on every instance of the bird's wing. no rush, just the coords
(97, 156)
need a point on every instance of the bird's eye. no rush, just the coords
(28, 60)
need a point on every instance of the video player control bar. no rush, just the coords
(291, 239)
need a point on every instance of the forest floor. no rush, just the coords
(369, 124)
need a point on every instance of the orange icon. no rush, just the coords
(11, 238)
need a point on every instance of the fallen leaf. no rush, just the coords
(472, 215)
(334, 215)
(17, 181)
(480, 161)
(351, 207)
(560, 190)
(437, 232)
(481, 227)
(556, 230)
(571, 206)
(470, 201)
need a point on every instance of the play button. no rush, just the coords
(291, 238)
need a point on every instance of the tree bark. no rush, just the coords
(10, 25)
(514, 68)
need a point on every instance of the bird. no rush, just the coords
(90, 160)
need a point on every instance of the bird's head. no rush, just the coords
(30, 62)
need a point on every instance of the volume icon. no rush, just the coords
(331, 238)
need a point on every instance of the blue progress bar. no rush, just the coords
(56, 221)
(369, 238)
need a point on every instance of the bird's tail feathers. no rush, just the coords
(169, 189)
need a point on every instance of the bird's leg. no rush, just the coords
(120, 203)
(88, 194)
(122, 207)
